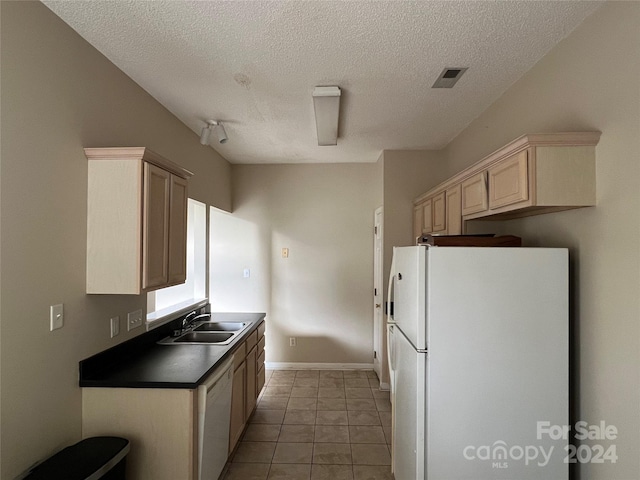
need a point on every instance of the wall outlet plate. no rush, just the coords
(134, 320)
(115, 326)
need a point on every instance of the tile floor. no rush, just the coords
(316, 425)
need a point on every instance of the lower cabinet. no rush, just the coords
(248, 381)
(161, 425)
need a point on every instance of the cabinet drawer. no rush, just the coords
(509, 181)
(261, 359)
(252, 340)
(239, 354)
(261, 345)
(261, 329)
(474, 194)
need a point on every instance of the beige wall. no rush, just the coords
(322, 293)
(591, 81)
(60, 95)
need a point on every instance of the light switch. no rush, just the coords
(285, 252)
(246, 273)
(56, 317)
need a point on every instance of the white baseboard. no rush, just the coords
(317, 366)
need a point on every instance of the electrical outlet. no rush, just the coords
(56, 316)
(285, 252)
(246, 273)
(134, 320)
(292, 341)
(115, 326)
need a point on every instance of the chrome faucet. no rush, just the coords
(188, 320)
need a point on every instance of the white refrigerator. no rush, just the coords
(479, 357)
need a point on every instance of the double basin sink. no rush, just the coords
(207, 333)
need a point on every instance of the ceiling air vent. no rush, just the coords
(449, 77)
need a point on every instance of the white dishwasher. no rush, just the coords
(214, 412)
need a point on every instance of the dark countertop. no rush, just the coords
(142, 363)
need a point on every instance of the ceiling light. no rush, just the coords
(326, 104)
(220, 131)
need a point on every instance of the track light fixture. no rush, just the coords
(220, 132)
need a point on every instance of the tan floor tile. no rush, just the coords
(366, 434)
(385, 418)
(267, 416)
(356, 382)
(306, 382)
(273, 403)
(281, 382)
(300, 417)
(331, 382)
(283, 374)
(332, 453)
(363, 417)
(296, 433)
(370, 454)
(332, 434)
(387, 434)
(353, 392)
(380, 393)
(331, 374)
(383, 404)
(293, 452)
(355, 374)
(361, 404)
(277, 391)
(257, 432)
(308, 374)
(254, 452)
(285, 471)
(247, 471)
(374, 383)
(331, 392)
(304, 392)
(302, 403)
(331, 472)
(368, 472)
(332, 404)
(331, 417)
(371, 374)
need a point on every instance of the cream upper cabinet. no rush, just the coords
(474, 194)
(439, 213)
(136, 221)
(534, 174)
(453, 207)
(509, 181)
(427, 216)
(417, 221)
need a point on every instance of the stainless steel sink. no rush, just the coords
(221, 338)
(207, 333)
(220, 327)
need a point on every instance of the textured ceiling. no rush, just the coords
(254, 64)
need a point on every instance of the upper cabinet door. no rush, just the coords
(417, 221)
(439, 213)
(178, 231)
(474, 194)
(155, 234)
(509, 181)
(454, 215)
(427, 216)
